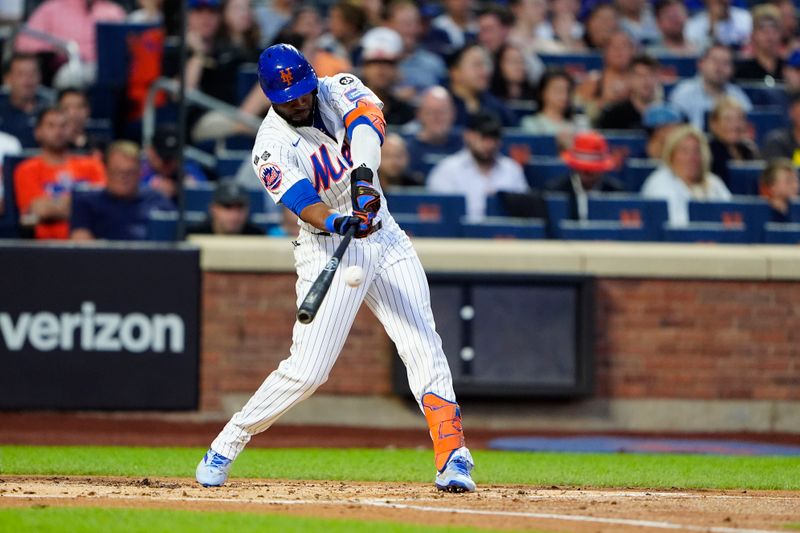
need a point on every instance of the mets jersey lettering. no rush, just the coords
(325, 170)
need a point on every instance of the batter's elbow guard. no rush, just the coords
(444, 422)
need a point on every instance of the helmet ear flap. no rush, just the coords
(285, 74)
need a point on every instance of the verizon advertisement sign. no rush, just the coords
(99, 328)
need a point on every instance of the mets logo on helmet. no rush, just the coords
(286, 76)
(270, 175)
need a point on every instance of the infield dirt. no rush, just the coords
(496, 507)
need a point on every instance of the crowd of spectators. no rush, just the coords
(455, 76)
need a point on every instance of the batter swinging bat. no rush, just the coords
(308, 309)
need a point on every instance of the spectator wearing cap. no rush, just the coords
(695, 97)
(70, 20)
(381, 50)
(719, 22)
(160, 169)
(228, 213)
(728, 139)
(645, 90)
(766, 63)
(671, 16)
(419, 68)
(25, 98)
(659, 120)
(684, 175)
(470, 71)
(589, 160)
(779, 185)
(785, 142)
(121, 210)
(479, 170)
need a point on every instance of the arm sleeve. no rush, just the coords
(299, 196)
(365, 148)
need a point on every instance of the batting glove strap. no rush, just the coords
(341, 223)
(366, 198)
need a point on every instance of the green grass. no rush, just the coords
(493, 467)
(92, 520)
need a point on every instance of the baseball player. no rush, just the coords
(319, 136)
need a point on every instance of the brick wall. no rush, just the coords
(653, 339)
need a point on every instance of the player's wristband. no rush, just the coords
(329, 222)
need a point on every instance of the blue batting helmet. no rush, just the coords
(285, 74)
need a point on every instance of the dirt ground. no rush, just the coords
(497, 507)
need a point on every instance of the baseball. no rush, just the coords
(354, 275)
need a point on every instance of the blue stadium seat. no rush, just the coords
(794, 212)
(631, 211)
(504, 228)
(542, 170)
(630, 142)
(436, 208)
(229, 166)
(162, 226)
(515, 140)
(241, 143)
(9, 219)
(417, 226)
(600, 230)
(743, 177)
(557, 210)
(742, 212)
(636, 171)
(101, 129)
(765, 120)
(775, 233)
(246, 79)
(678, 66)
(706, 232)
(573, 63)
(199, 196)
(763, 96)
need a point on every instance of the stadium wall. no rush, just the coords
(687, 337)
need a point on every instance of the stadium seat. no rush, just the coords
(246, 79)
(576, 64)
(764, 121)
(505, 228)
(706, 232)
(267, 221)
(522, 146)
(162, 226)
(794, 212)
(557, 210)
(626, 143)
(199, 196)
(775, 233)
(743, 212)
(631, 211)
(600, 230)
(240, 143)
(743, 177)
(228, 166)
(9, 218)
(542, 170)
(421, 226)
(762, 96)
(636, 171)
(675, 67)
(437, 208)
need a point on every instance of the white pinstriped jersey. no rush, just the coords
(283, 154)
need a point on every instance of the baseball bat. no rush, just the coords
(308, 309)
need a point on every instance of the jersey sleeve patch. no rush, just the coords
(271, 176)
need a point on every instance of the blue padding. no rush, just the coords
(299, 196)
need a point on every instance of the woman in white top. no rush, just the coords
(684, 175)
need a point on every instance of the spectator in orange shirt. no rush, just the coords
(43, 183)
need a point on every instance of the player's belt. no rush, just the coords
(375, 227)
